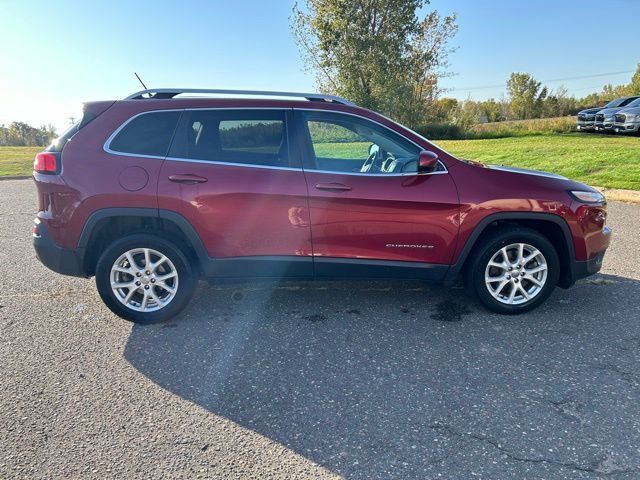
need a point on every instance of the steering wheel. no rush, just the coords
(368, 163)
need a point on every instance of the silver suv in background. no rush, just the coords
(628, 119)
(606, 117)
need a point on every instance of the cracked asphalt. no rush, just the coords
(360, 380)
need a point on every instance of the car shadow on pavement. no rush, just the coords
(406, 380)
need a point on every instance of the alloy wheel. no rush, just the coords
(516, 274)
(144, 279)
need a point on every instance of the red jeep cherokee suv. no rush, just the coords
(152, 192)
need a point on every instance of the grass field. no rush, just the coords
(602, 160)
(17, 160)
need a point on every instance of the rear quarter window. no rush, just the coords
(147, 134)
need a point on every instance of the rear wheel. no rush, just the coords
(513, 271)
(145, 279)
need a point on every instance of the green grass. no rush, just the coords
(17, 160)
(602, 160)
(352, 150)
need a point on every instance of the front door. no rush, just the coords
(229, 173)
(371, 211)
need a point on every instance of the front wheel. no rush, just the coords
(145, 279)
(513, 271)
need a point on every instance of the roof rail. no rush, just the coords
(164, 93)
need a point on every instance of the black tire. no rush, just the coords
(187, 279)
(490, 245)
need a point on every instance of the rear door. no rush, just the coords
(230, 174)
(370, 209)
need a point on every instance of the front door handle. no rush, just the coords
(187, 179)
(334, 187)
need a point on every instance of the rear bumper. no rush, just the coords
(56, 258)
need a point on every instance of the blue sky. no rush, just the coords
(55, 55)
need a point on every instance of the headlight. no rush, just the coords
(633, 117)
(587, 197)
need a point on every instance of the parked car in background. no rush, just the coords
(587, 118)
(151, 193)
(628, 119)
(606, 116)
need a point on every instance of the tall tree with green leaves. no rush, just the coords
(377, 53)
(526, 94)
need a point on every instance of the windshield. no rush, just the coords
(635, 103)
(614, 103)
(619, 102)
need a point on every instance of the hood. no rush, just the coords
(528, 179)
(526, 171)
(610, 111)
(633, 110)
(589, 111)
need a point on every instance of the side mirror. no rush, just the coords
(427, 162)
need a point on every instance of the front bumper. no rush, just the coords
(604, 126)
(585, 268)
(630, 127)
(586, 125)
(56, 258)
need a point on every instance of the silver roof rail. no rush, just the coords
(164, 93)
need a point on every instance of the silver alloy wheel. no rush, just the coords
(144, 280)
(516, 274)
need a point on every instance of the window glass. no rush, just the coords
(344, 143)
(147, 134)
(254, 137)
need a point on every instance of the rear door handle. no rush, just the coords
(334, 187)
(187, 179)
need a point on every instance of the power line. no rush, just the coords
(582, 77)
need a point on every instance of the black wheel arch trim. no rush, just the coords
(456, 268)
(182, 223)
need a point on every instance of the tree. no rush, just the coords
(21, 134)
(559, 103)
(634, 86)
(526, 94)
(492, 111)
(444, 110)
(377, 53)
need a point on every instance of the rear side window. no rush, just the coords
(147, 134)
(252, 137)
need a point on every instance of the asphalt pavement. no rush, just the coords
(361, 380)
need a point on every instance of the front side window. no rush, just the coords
(252, 137)
(345, 143)
(147, 134)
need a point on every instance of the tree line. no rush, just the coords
(19, 134)
(526, 99)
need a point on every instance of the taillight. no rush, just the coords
(45, 162)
